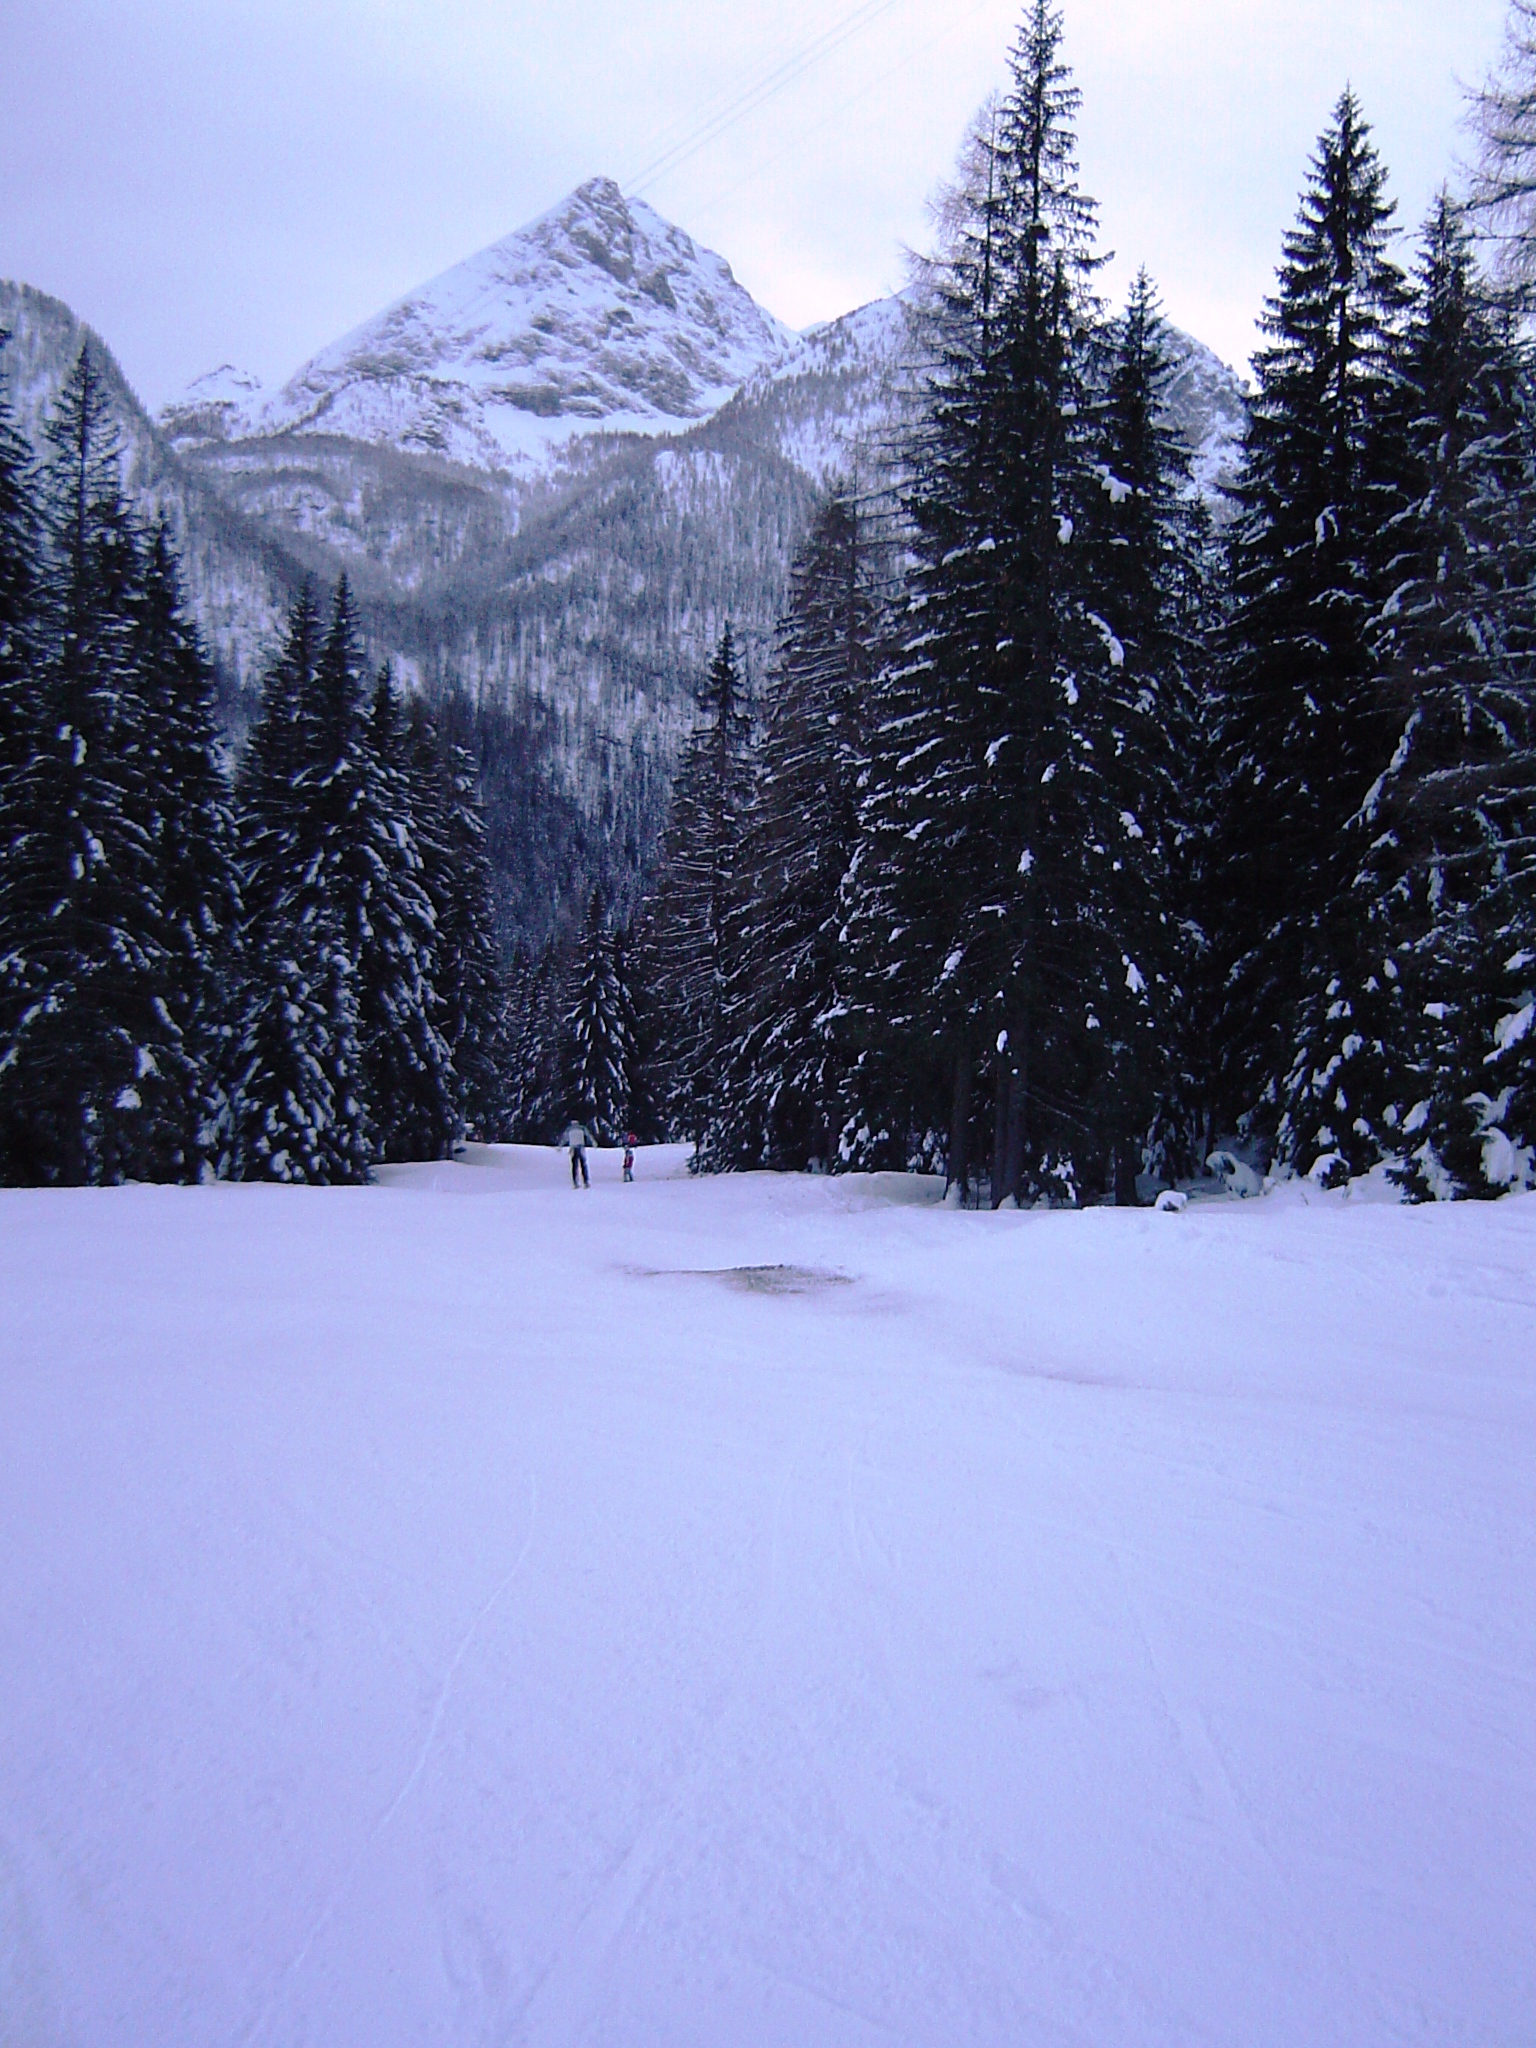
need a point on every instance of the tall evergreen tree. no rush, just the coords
(22, 599)
(467, 979)
(535, 1043)
(95, 1068)
(1142, 536)
(413, 1093)
(22, 594)
(687, 942)
(299, 1108)
(1306, 731)
(982, 896)
(185, 796)
(1442, 892)
(780, 1100)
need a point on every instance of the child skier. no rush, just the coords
(629, 1155)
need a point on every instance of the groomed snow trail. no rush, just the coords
(763, 1611)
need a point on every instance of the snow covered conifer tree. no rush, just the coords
(982, 890)
(95, 1069)
(471, 1001)
(780, 1100)
(1443, 890)
(596, 1065)
(21, 653)
(687, 940)
(298, 1111)
(1305, 729)
(413, 1096)
(187, 814)
(535, 1045)
(21, 594)
(1142, 538)
(273, 756)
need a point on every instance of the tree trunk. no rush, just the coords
(1002, 1089)
(960, 1123)
(1018, 1104)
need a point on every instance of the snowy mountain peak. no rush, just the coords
(597, 315)
(214, 407)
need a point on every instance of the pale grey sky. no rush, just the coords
(244, 180)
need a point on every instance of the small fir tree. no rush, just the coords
(597, 1033)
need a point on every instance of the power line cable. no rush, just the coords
(860, 93)
(786, 73)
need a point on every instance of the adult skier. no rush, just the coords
(577, 1140)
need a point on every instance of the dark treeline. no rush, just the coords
(1069, 836)
(287, 975)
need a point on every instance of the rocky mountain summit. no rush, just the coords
(600, 314)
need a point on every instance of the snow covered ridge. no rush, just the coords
(598, 314)
(217, 406)
(601, 316)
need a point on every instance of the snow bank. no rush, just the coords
(430, 1620)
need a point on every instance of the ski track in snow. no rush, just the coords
(1092, 1631)
(292, 1971)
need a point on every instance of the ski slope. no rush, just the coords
(763, 1611)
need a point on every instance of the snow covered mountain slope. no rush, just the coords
(835, 399)
(214, 407)
(1206, 405)
(598, 314)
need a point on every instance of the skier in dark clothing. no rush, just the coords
(576, 1138)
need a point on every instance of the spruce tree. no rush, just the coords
(22, 595)
(983, 891)
(186, 804)
(782, 1084)
(22, 600)
(1442, 891)
(687, 942)
(266, 785)
(1142, 538)
(413, 1094)
(96, 1069)
(534, 1045)
(456, 872)
(299, 1112)
(598, 1047)
(1305, 727)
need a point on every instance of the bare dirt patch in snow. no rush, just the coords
(752, 1279)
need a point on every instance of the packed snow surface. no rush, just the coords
(763, 1611)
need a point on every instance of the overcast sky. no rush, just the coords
(244, 180)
